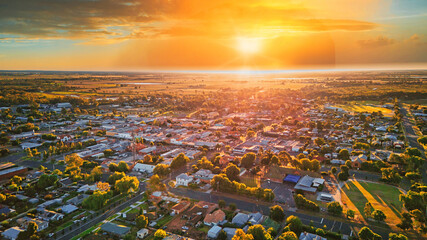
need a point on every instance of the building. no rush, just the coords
(114, 229)
(180, 207)
(24, 221)
(142, 233)
(144, 168)
(11, 233)
(309, 184)
(214, 232)
(240, 219)
(310, 236)
(204, 175)
(69, 208)
(183, 179)
(214, 218)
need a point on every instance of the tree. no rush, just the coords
(116, 176)
(221, 203)
(366, 234)
(141, 221)
(127, 184)
(96, 173)
(422, 140)
(259, 232)
(232, 172)
(161, 170)
(335, 208)
(319, 141)
(378, 215)
(239, 235)
(368, 210)
(350, 213)
(46, 181)
(147, 159)
(155, 184)
(334, 170)
(97, 200)
(405, 221)
(396, 236)
(108, 152)
(123, 167)
(29, 233)
(294, 224)
(418, 215)
(179, 161)
(73, 160)
(222, 235)
(344, 154)
(232, 207)
(288, 236)
(160, 234)
(113, 167)
(277, 213)
(248, 160)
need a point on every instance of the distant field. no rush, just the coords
(357, 107)
(381, 196)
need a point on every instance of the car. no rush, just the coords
(185, 227)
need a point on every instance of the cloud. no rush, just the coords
(380, 41)
(110, 21)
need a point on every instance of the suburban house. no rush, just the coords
(11, 233)
(214, 232)
(144, 168)
(240, 219)
(24, 221)
(204, 175)
(309, 184)
(183, 179)
(214, 218)
(310, 236)
(142, 233)
(47, 215)
(114, 229)
(180, 207)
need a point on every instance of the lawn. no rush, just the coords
(164, 220)
(355, 107)
(381, 196)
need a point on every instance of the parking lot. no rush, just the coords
(282, 191)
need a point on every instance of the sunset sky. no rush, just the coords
(212, 34)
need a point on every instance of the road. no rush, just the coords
(336, 226)
(412, 137)
(92, 222)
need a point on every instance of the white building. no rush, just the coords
(183, 179)
(142, 233)
(142, 167)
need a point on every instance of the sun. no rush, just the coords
(248, 45)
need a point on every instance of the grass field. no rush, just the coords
(382, 196)
(360, 107)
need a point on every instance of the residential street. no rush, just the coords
(412, 137)
(337, 226)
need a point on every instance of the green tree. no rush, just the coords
(397, 236)
(344, 154)
(248, 160)
(288, 236)
(123, 167)
(367, 234)
(350, 213)
(161, 170)
(368, 210)
(239, 235)
(335, 208)
(277, 213)
(259, 232)
(179, 161)
(232, 172)
(141, 221)
(294, 224)
(127, 184)
(108, 152)
(378, 215)
(97, 200)
(405, 221)
(46, 181)
(221, 203)
(116, 176)
(222, 235)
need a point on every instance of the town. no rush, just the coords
(253, 163)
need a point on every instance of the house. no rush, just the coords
(47, 215)
(24, 221)
(356, 161)
(5, 209)
(115, 229)
(69, 208)
(214, 232)
(214, 218)
(230, 232)
(180, 207)
(77, 200)
(87, 187)
(310, 236)
(204, 175)
(309, 184)
(11, 233)
(142, 233)
(66, 182)
(183, 179)
(144, 168)
(255, 218)
(240, 219)
(29, 145)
